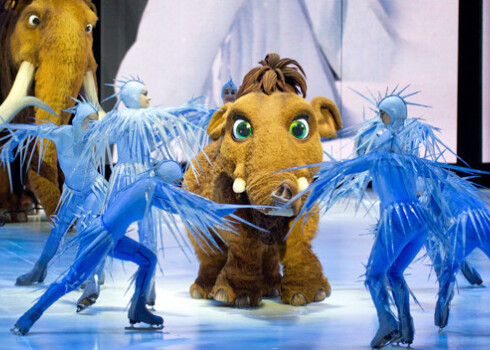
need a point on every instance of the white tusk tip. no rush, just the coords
(239, 185)
(302, 184)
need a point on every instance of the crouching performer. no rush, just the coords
(106, 235)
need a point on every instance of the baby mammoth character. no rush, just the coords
(268, 128)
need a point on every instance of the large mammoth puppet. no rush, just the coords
(269, 128)
(45, 51)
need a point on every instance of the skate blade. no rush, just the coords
(16, 331)
(401, 346)
(390, 343)
(85, 303)
(147, 328)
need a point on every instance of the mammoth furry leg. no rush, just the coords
(271, 272)
(303, 281)
(240, 281)
(210, 266)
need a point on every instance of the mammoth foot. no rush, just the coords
(225, 294)
(302, 294)
(299, 299)
(198, 292)
(240, 301)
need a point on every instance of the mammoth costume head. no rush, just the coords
(270, 128)
(46, 52)
(48, 42)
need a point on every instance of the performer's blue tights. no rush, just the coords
(393, 250)
(462, 244)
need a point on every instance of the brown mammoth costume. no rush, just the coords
(269, 128)
(46, 45)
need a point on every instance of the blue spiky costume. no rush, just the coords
(134, 193)
(393, 153)
(105, 235)
(137, 132)
(84, 189)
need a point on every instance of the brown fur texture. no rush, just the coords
(275, 74)
(61, 50)
(248, 268)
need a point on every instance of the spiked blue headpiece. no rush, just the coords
(393, 103)
(129, 92)
(396, 108)
(82, 109)
(229, 84)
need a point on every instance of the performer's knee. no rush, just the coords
(150, 259)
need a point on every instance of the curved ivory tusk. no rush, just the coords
(302, 184)
(12, 104)
(91, 92)
(239, 185)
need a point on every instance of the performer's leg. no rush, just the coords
(130, 250)
(385, 249)
(447, 279)
(436, 254)
(399, 288)
(91, 207)
(147, 237)
(79, 271)
(64, 219)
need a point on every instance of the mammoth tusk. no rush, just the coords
(91, 92)
(302, 184)
(17, 98)
(239, 185)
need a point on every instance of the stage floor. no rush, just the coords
(345, 320)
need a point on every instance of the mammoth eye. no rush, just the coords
(300, 128)
(88, 28)
(241, 129)
(34, 20)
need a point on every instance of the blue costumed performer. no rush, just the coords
(138, 130)
(468, 228)
(388, 157)
(106, 235)
(84, 189)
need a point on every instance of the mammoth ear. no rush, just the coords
(216, 126)
(328, 116)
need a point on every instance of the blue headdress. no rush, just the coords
(229, 84)
(129, 92)
(82, 109)
(395, 104)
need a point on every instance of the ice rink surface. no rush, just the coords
(345, 320)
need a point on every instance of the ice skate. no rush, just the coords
(441, 315)
(471, 275)
(25, 322)
(139, 313)
(387, 334)
(90, 294)
(406, 331)
(36, 275)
